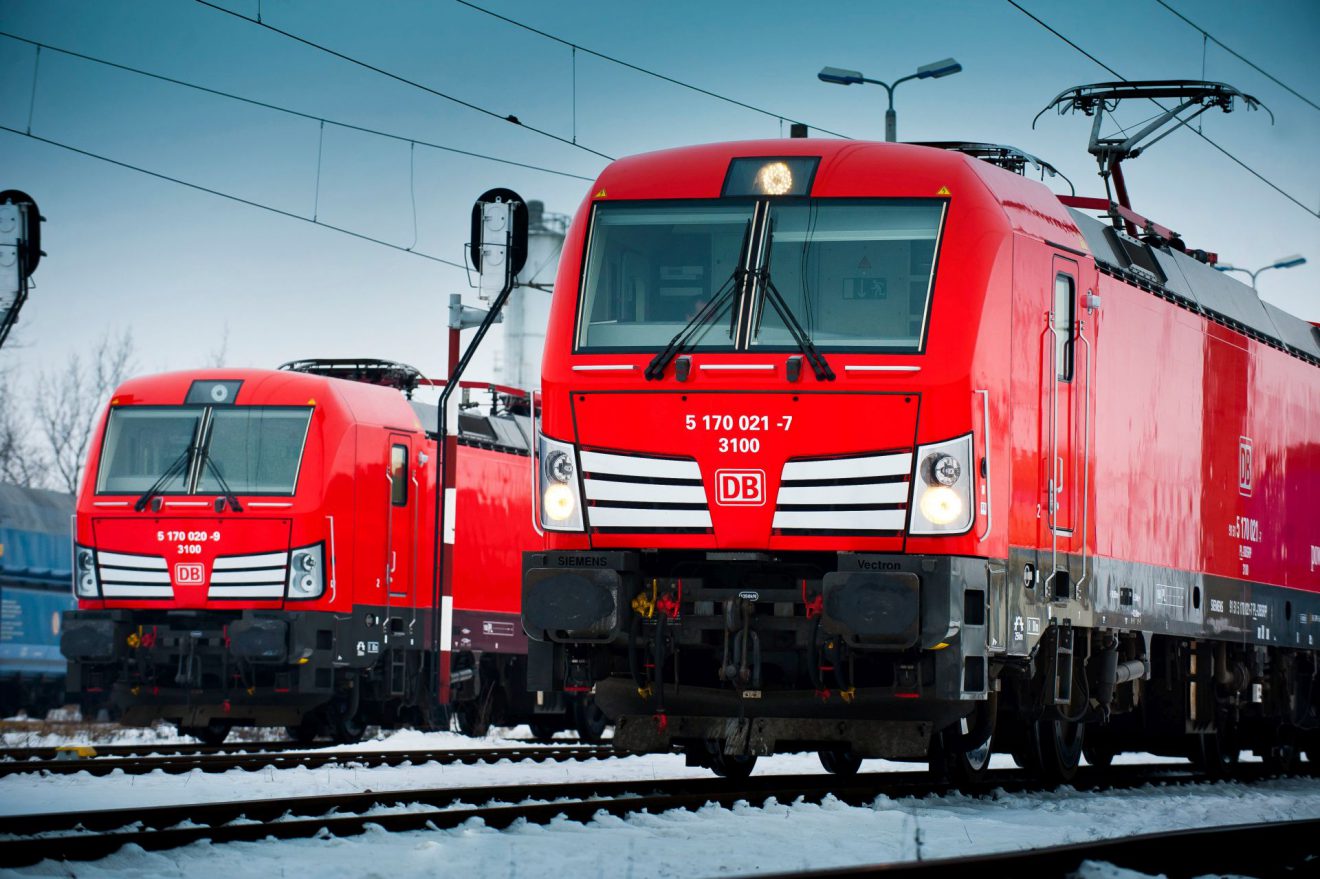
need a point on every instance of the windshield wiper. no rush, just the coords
(224, 486)
(819, 365)
(170, 472)
(655, 370)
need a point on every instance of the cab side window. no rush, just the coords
(399, 475)
(1062, 325)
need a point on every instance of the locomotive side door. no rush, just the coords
(401, 528)
(1061, 467)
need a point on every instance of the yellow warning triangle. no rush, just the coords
(944, 190)
(600, 194)
(311, 401)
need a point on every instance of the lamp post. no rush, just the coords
(1286, 262)
(935, 70)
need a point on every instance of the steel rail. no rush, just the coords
(315, 759)
(80, 836)
(1278, 848)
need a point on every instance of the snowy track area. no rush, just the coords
(764, 835)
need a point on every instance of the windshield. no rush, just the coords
(141, 444)
(856, 273)
(650, 268)
(257, 449)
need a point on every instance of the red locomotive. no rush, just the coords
(882, 450)
(254, 547)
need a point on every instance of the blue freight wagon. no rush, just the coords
(36, 570)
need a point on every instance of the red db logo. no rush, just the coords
(734, 488)
(1245, 466)
(189, 574)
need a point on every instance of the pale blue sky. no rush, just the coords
(178, 266)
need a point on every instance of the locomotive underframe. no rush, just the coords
(744, 653)
(250, 667)
(762, 654)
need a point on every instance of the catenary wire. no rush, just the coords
(397, 78)
(279, 109)
(1256, 67)
(639, 69)
(1271, 184)
(231, 197)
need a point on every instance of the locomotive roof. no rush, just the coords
(268, 387)
(849, 167)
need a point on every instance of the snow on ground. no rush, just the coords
(714, 841)
(749, 838)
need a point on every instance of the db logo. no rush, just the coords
(735, 488)
(189, 574)
(1244, 466)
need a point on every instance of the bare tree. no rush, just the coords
(20, 462)
(220, 353)
(69, 400)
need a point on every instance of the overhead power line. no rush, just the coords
(1271, 184)
(669, 79)
(397, 78)
(298, 113)
(232, 197)
(1238, 55)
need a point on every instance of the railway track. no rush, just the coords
(217, 760)
(78, 836)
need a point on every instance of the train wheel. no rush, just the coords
(475, 717)
(589, 720)
(1282, 757)
(544, 729)
(1099, 751)
(732, 765)
(959, 765)
(214, 733)
(347, 725)
(1215, 754)
(840, 761)
(305, 732)
(1054, 749)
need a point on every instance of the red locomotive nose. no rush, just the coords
(732, 471)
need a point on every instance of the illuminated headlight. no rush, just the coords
(942, 488)
(561, 501)
(305, 580)
(84, 577)
(941, 505)
(774, 178)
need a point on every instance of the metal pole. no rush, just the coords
(446, 448)
(891, 118)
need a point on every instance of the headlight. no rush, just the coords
(84, 577)
(945, 469)
(941, 505)
(561, 501)
(942, 488)
(559, 466)
(305, 579)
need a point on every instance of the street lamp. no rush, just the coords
(1287, 262)
(839, 76)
